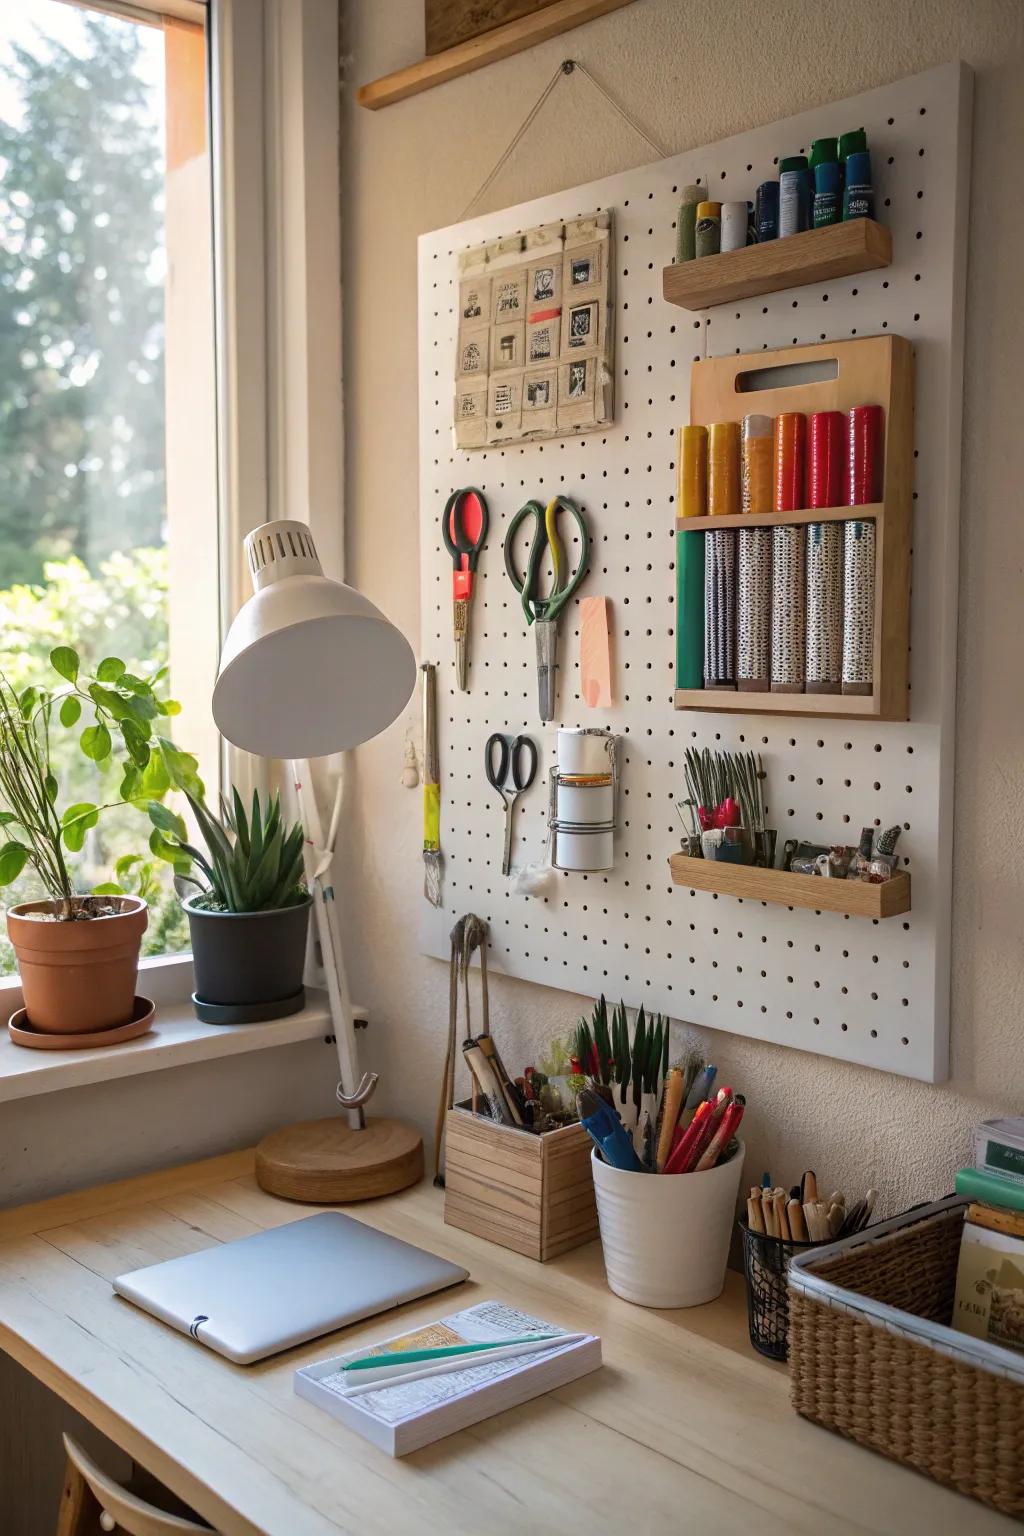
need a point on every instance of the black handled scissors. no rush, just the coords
(464, 530)
(510, 752)
(544, 612)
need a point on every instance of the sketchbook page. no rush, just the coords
(488, 1322)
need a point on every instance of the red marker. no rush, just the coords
(720, 1140)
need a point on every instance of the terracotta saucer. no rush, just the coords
(22, 1033)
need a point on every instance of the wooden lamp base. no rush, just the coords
(325, 1162)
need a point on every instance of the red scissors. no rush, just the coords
(464, 530)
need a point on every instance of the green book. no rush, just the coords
(990, 1189)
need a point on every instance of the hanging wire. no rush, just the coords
(567, 67)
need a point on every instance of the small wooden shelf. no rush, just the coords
(871, 510)
(728, 700)
(855, 898)
(816, 256)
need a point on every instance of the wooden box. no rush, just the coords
(871, 369)
(534, 1194)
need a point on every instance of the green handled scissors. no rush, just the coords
(542, 611)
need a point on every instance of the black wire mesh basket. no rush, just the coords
(765, 1263)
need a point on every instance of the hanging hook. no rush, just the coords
(568, 65)
(363, 1094)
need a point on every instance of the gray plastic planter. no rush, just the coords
(245, 962)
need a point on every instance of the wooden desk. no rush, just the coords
(684, 1426)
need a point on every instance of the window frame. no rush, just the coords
(274, 137)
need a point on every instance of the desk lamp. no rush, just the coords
(310, 667)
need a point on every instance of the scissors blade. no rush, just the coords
(506, 861)
(546, 631)
(460, 621)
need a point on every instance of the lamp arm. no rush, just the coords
(318, 856)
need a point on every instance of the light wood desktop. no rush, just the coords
(684, 1426)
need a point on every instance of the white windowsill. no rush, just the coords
(176, 1039)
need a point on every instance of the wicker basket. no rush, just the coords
(871, 1356)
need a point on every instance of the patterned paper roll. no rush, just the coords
(693, 472)
(864, 455)
(790, 435)
(789, 627)
(720, 609)
(858, 606)
(825, 458)
(756, 463)
(724, 468)
(689, 609)
(824, 607)
(754, 610)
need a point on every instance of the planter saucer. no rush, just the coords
(22, 1032)
(248, 1013)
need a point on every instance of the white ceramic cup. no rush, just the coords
(587, 803)
(666, 1236)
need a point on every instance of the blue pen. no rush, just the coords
(701, 1089)
(607, 1131)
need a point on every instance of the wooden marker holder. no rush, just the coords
(532, 1193)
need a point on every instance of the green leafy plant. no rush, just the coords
(122, 712)
(251, 864)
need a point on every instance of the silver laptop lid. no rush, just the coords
(261, 1294)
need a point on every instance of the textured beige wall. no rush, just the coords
(695, 71)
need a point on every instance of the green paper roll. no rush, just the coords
(689, 610)
(686, 249)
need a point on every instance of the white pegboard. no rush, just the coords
(867, 991)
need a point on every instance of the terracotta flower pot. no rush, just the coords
(78, 976)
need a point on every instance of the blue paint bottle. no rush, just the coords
(766, 211)
(858, 194)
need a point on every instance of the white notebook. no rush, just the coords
(403, 1418)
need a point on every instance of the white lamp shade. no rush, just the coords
(309, 666)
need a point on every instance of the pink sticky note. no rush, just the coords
(595, 652)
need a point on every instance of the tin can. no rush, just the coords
(733, 226)
(794, 196)
(708, 233)
(586, 800)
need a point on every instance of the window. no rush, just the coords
(108, 472)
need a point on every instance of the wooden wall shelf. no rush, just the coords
(870, 369)
(816, 256)
(873, 510)
(488, 48)
(855, 898)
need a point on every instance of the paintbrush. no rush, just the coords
(432, 861)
